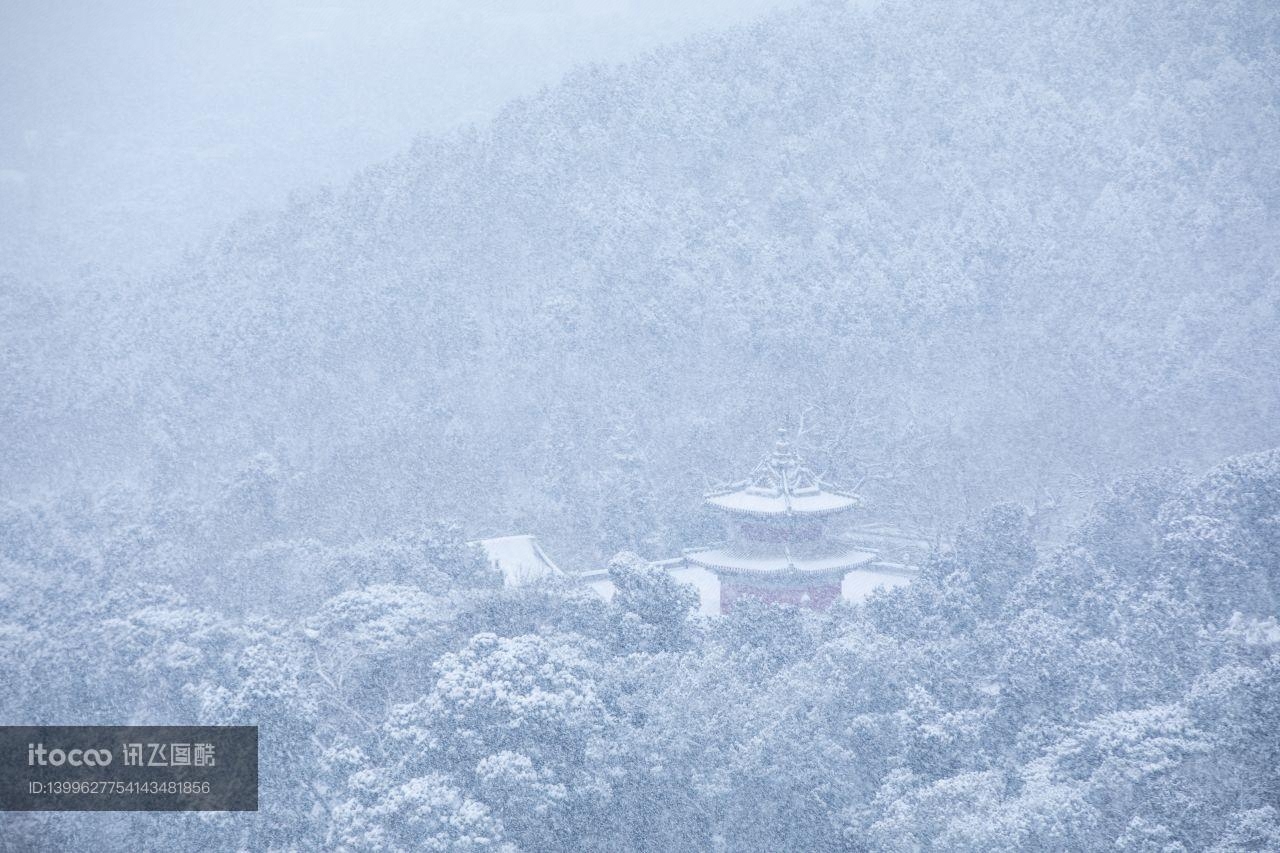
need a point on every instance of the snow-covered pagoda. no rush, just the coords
(778, 547)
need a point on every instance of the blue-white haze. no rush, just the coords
(1010, 268)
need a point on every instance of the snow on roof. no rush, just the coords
(763, 503)
(704, 582)
(780, 485)
(707, 585)
(520, 559)
(737, 561)
(857, 586)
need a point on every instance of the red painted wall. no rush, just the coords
(820, 595)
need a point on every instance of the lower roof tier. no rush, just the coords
(729, 560)
(756, 501)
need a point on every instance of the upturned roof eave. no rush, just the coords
(787, 508)
(792, 567)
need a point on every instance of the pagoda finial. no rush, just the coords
(784, 456)
(780, 484)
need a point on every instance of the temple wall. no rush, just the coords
(816, 595)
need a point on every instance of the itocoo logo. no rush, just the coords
(37, 754)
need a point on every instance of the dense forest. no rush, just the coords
(984, 252)
(1118, 692)
(1009, 271)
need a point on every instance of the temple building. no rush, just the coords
(778, 546)
(520, 559)
(789, 538)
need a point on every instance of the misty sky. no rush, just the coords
(131, 128)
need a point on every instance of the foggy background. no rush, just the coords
(411, 262)
(130, 129)
(297, 301)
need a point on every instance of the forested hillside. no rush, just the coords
(989, 252)
(1011, 272)
(1118, 693)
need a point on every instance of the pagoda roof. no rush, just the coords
(738, 561)
(781, 485)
